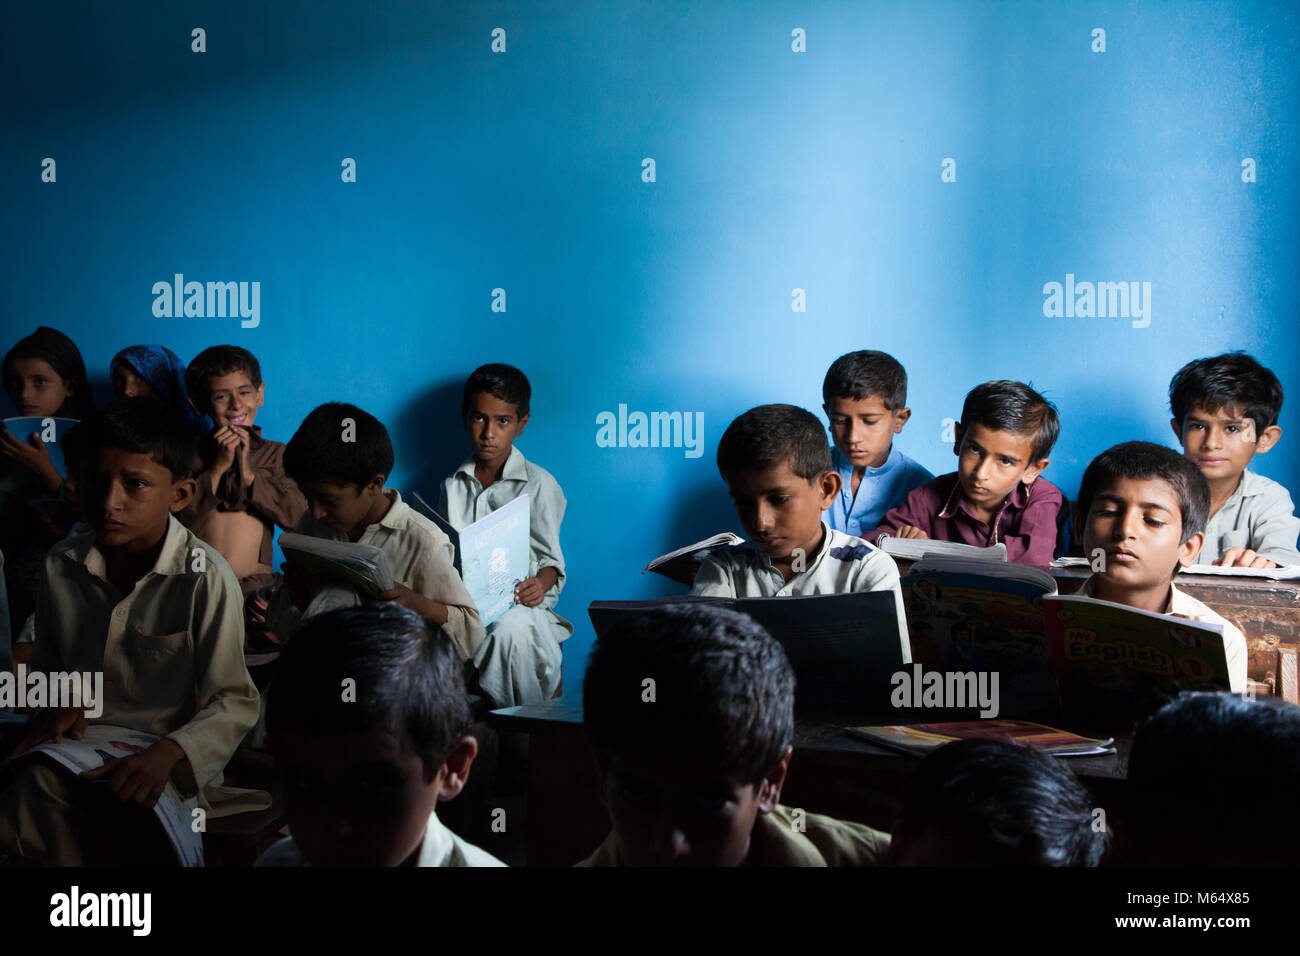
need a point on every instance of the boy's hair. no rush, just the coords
(864, 374)
(500, 381)
(409, 680)
(772, 435)
(1010, 804)
(1204, 765)
(215, 361)
(1143, 460)
(1013, 407)
(317, 452)
(1232, 379)
(722, 686)
(61, 354)
(139, 425)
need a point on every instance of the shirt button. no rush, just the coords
(120, 612)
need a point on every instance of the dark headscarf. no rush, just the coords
(165, 373)
(52, 346)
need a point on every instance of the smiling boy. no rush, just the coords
(1144, 506)
(777, 467)
(159, 612)
(1225, 412)
(520, 660)
(242, 491)
(996, 495)
(864, 396)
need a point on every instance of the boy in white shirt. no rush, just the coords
(778, 468)
(363, 769)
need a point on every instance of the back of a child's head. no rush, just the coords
(773, 435)
(406, 679)
(866, 374)
(995, 803)
(504, 382)
(723, 692)
(339, 443)
(1202, 771)
(1147, 461)
(62, 355)
(1013, 407)
(142, 426)
(1233, 380)
(214, 362)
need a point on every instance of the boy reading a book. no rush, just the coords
(864, 396)
(1225, 412)
(142, 599)
(242, 489)
(340, 457)
(996, 803)
(362, 775)
(520, 660)
(693, 777)
(1003, 441)
(1142, 510)
(1202, 775)
(778, 468)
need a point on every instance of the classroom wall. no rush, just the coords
(775, 170)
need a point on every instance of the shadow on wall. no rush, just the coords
(430, 440)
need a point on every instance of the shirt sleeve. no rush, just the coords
(1034, 541)
(913, 511)
(713, 580)
(1234, 648)
(1274, 527)
(879, 572)
(226, 698)
(46, 656)
(546, 514)
(273, 494)
(436, 578)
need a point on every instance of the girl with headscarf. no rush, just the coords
(153, 371)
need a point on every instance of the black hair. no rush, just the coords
(500, 381)
(61, 354)
(1231, 379)
(139, 425)
(318, 452)
(1143, 460)
(408, 680)
(1201, 770)
(213, 362)
(721, 685)
(1007, 803)
(773, 435)
(1013, 407)
(864, 374)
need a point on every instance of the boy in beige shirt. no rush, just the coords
(159, 612)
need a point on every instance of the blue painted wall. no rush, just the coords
(775, 170)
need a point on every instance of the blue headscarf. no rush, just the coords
(165, 374)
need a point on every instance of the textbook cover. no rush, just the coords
(976, 615)
(680, 565)
(50, 430)
(844, 648)
(104, 743)
(1117, 660)
(492, 554)
(361, 567)
(922, 738)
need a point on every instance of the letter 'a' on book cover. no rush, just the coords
(104, 743)
(361, 567)
(24, 428)
(922, 738)
(492, 554)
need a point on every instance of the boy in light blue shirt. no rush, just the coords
(865, 399)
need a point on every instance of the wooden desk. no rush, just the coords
(830, 773)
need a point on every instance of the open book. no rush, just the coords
(103, 744)
(914, 548)
(492, 554)
(1285, 573)
(51, 432)
(844, 648)
(679, 565)
(922, 738)
(361, 567)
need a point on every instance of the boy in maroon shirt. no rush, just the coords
(1003, 440)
